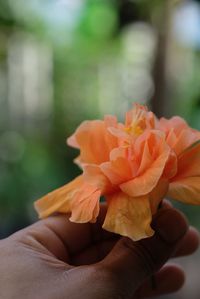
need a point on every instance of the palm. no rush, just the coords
(83, 247)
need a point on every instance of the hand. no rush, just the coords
(57, 259)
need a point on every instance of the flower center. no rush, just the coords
(139, 120)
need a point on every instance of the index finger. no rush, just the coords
(58, 233)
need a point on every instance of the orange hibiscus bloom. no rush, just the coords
(133, 165)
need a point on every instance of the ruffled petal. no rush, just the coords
(146, 160)
(189, 162)
(71, 141)
(94, 140)
(178, 134)
(85, 204)
(118, 169)
(171, 166)
(184, 140)
(119, 133)
(171, 138)
(110, 120)
(58, 200)
(186, 190)
(158, 194)
(129, 216)
(96, 178)
(145, 183)
(176, 123)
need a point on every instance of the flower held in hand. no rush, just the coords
(134, 165)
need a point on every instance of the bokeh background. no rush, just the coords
(64, 61)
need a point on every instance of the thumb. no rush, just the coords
(130, 263)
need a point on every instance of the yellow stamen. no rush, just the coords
(138, 124)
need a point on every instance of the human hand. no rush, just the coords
(57, 259)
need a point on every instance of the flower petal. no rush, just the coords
(118, 169)
(176, 123)
(94, 140)
(171, 138)
(119, 133)
(171, 166)
(110, 120)
(128, 216)
(184, 140)
(94, 175)
(71, 141)
(146, 160)
(178, 134)
(58, 200)
(145, 183)
(85, 204)
(186, 190)
(158, 194)
(189, 162)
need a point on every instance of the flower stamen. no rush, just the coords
(139, 120)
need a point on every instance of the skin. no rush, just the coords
(57, 259)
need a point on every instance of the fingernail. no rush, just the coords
(170, 225)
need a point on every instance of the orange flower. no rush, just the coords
(133, 165)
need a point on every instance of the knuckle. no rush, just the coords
(143, 254)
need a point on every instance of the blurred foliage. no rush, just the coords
(65, 61)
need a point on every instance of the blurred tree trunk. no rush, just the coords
(160, 102)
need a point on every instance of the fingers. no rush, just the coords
(189, 244)
(168, 280)
(93, 254)
(64, 238)
(99, 250)
(87, 243)
(135, 261)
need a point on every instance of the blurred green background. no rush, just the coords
(64, 61)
